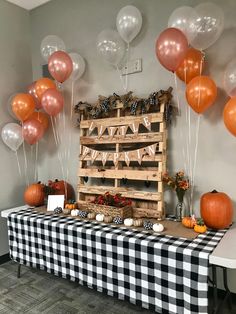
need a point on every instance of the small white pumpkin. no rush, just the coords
(99, 217)
(128, 222)
(158, 227)
(74, 212)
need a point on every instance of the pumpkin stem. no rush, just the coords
(39, 182)
(56, 180)
(214, 191)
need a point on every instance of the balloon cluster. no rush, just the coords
(41, 95)
(111, 43)
(179, 48)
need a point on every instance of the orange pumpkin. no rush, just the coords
(188, 222)
(200, 228)
(34, 194)
(216, 209)
(62, 187)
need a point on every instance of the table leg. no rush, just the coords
(18, 270)
(228, 293)
(215, 295)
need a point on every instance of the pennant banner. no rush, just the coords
(134, 127)
(147, 122)
(111, 131)
(136, 154)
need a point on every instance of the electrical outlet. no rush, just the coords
(133, 66)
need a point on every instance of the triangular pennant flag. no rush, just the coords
(101, 129)
(147, 122)
(122, 130)
(116, 157)
(94, 155)
(127, 158)
(151, 150)
(112, 131)
(85, 152)
(92, 127)
(134, 127)
(104, 158)
(139, 153)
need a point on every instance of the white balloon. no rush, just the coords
(183, 18)
(209, 25)
(78, 66)
(50, 44)
(12, 136)
(129, 22)
(230, 78)
(110, 46)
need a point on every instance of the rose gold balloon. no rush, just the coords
(171, 48)
(32, 131)
(52, 102)
(32, 91)
(201, 93)
(60, 66)
(42, 85)
(42, 117)
(23, 106)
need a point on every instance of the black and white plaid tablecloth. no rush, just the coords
(162, 273)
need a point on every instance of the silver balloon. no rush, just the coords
(78, 66)
(230, 78)
(209, 25)
(129, 22)
(183, 18)
(110, 46)
(12, 136)
(50, 44)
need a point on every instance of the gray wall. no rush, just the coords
(15, 74)
(78, 23)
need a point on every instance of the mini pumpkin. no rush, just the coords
(99, 217)
(200, 226)
(189, 222)
(138, 222)
(158, 227)
(91, 215)
(66, 211)
(108, 219)
(128, 222)
(74, 212)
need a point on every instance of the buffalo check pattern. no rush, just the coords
(162, 273)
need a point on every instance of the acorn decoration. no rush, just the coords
(83, 214)
(147, 225)
(118, 220)
(91, 215)
(58, 210)
(108, 219)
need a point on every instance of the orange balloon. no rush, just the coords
(201, 93)
(42, 85)
(41, 117)
(230, 115)
(23, 106)
(191, 66)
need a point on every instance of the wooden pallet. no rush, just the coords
(147, 202)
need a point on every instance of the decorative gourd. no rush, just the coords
(138, 222)
(189, 222)
(128, 222)
(91, 215)
(99, 217)
(62, 188)
(118, 220)
(58, 210)
(34, 194)
(66, 211)
(158, 227)
(74, 212)
(147, 225)
(216, 209)
(200, 227)
(108, 219)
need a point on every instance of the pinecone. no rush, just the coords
(83, 214)
(58, 210)
(118, 220)
(147, 225)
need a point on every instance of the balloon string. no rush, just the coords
(53, 130)
(181, 130)
(18, 163)
(70, 133)
(127, 64)
(36, 163)
(26, 166)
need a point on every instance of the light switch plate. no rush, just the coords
(133, 66)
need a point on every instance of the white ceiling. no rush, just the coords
(28, 4)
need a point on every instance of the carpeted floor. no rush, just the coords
(39, 292)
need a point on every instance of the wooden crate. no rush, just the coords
(146, 202)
